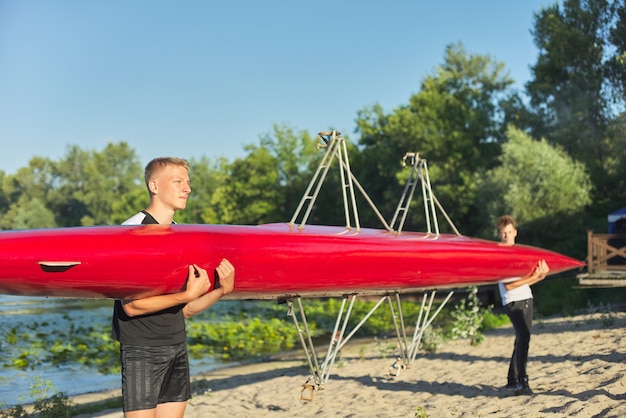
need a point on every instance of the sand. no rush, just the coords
(577, 368)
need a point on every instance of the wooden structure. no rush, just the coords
(606, 260)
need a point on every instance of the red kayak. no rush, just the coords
(271, 261)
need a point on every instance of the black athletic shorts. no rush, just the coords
(154, 375)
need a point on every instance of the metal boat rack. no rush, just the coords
(336, 148)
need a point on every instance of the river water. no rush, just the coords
(23, 319)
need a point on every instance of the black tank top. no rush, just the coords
(166, 327)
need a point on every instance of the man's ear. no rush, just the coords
(152, 186)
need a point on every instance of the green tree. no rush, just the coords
(128, 204)
(34, 181)
(89, 183)
(261, 187)
(207, 176)
(4, 199)
(614, 163)
(250, 195)
(27, 214)
(616, 62)
(112, 173)
(454, 121)
(296, 158)
(28, 190)
(538, 184)
(577, 85)
(80, 189)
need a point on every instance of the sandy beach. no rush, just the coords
(577, 367)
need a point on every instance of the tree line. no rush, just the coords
(551, 154)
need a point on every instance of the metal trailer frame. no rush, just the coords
(320, 370)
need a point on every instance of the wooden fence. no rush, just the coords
(606, 252)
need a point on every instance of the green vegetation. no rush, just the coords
(49, 403)
(241, 340)
(235, 332)
(89, 346)
(420, 413)
(468, 319)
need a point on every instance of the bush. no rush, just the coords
(57, 405)
(467, 318)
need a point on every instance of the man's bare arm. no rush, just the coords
(539, 273)
(198, 284)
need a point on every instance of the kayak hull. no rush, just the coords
(271, 261)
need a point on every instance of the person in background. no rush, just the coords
(517, 299)
(151, 330)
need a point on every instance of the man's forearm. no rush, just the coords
(203, 302)
(529, 279)
(153, 304)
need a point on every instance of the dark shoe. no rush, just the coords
(520, 390)
(523, 388)
(511, 383)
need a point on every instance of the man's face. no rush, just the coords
(171, 186)
(507, 234)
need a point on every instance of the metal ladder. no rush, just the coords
(335, 148)
(419, 174)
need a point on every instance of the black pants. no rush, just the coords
(521, 315)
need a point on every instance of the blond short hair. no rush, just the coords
(158, 163)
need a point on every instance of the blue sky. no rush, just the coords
(193, 78)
